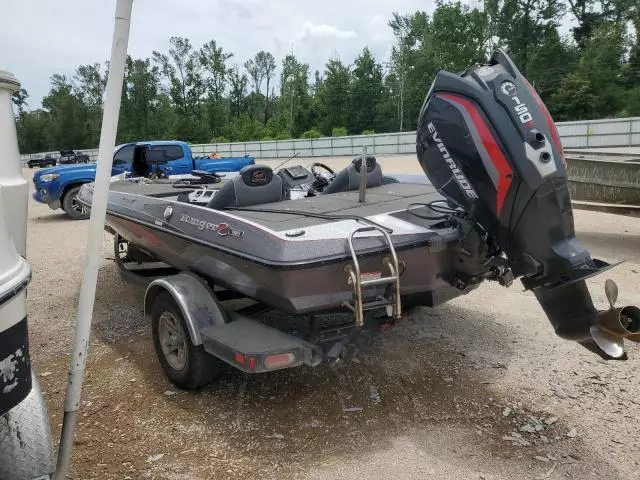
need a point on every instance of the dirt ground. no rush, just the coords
(479, 388)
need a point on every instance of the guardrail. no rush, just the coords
(615, 132)
(605, 181)
(619, 132)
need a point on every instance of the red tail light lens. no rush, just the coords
(279, 361)
(550, 123)
(240, 358)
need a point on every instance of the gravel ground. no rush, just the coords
(478, 388)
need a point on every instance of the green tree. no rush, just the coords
(260, 68)
(214, 61)
(591, 14)
(88, 86)
(34, 132)
(631, 69)
(256, 77)
(32, 127)
(238, 93)
(458, 36)
(524, 24)
(244, 128)
(182, 68)
(601, 65)
(294, 94)
(552, 61)
(268, 63)
(339, 132)
(333, 93)
(388, 111)
(632, 108)
(67, 115)
(139, 106)
(366, 93)
(312, 133)
(194, 95)
(410, 64)
(574, 100)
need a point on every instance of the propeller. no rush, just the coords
(616, 324)
(611, 291)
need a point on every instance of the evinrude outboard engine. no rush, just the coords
(488, 144)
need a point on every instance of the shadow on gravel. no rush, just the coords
(53, 218)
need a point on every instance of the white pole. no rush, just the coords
(95, 234)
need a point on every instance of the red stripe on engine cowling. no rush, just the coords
(493, 149)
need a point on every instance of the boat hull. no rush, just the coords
(302, 288)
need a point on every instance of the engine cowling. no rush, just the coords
(487, 142)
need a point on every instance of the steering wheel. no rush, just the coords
(323, 178)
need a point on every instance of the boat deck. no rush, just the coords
(380, 200)
(157, 188)
(385, 199)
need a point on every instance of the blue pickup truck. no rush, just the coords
(58, 186)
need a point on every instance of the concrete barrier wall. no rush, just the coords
(622, 132)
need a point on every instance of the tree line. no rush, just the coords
(206, 94)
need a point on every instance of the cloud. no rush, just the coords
(324, 31)
(314, 31)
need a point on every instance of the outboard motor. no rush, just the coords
(488, 144)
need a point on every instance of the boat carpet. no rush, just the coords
(379, 200)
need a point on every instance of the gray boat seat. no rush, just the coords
(254, 185)
(349, 178)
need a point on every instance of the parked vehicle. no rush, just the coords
(46, 161)
(58, 186)
(69, 156)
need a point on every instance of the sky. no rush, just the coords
(41, 37)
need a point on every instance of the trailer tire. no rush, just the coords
(70, 205)
(188, 366)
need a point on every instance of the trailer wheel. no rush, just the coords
(186, 365)
(72, 207)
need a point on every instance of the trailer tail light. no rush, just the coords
(240, 358)
(281, 360)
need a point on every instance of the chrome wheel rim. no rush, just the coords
(76, 206)
(173, 341)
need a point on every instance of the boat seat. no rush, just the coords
(349, 178)
(254, 185)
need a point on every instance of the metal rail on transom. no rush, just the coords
(359, 306)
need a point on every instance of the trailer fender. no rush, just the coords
(198, 305)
